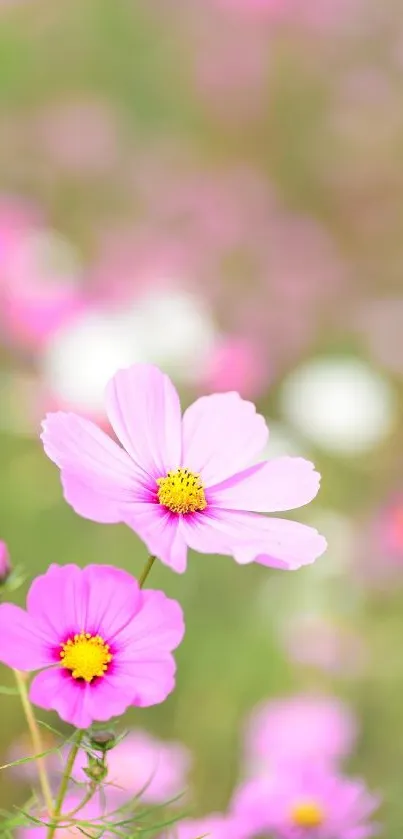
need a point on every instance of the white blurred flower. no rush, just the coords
(172, 330)
(341, 404)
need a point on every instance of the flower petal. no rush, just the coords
(57, 602)
(23, 645)
(56, 690)
(110, 696)
(276, 485)
(157, 628)
(249, 537)
(222, 433)
(88, 502)
(113, 599)
(144, 410)
(100, 599)
(160, 531)
(153, 679)
(91, 461)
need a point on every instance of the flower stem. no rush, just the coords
(88, 796)
(146, 570)
(64, 784)
(36, 740)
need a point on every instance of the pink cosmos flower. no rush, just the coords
(141, 763)
(299, 729)
(305, 803)
(5, 566)
(101, 643)
(182, 482)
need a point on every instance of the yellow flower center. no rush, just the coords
(181, 492)
(307, 814)
(86, 655)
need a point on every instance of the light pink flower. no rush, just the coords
(235, 363)
(5, 565)
(299, 729)
(183, 483)
(141, 763)
(305, 803)
(92, 812)
(214, 826)
(101, 643)
(79, 136)
(319, 641)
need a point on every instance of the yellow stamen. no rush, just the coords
(182, 492)
(86, 655)
(307, 814)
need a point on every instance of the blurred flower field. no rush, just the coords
(214, 186)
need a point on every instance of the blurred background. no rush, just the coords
(216, 186)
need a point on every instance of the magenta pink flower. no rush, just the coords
(5, 566)
(182, 482)
(141, 763)
(101, 643)
(299, 729)
(305, 804)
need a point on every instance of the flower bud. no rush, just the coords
(5, 565)
(96, 770)
(101, 740)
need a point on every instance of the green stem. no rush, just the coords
(89, 795)
(146, 570)
(64, 784)
(36, 740)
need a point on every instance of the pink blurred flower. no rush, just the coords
(389, 529)
(213, 826)
(235, 363)
(141, 763)
(5, 565)
(39, 283)
(305, 802)
(92, 812)
(231, 72)
(320, 642)
(379, 563)
(176, 483)
(327, 16)
(379, 323)
(101, 643)
(299, 729)
(79, 136)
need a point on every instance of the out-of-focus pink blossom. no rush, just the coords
(379, 322)
(281, 271)
(329, 16)
(379, 562)
(80, 137)
(390, 529)
(231, 71)
(306, 728)
(235, 364)
(308, 802)
(5, 565)
(319, 642)
(92, 812)
(213, 826)
(39, 278)
(141, 764)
